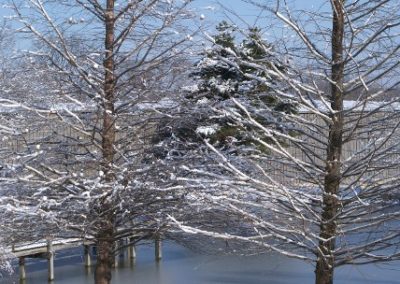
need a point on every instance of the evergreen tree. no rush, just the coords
(231, 73)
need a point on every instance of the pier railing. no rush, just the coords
(46, 249)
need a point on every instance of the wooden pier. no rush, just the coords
(46, 249)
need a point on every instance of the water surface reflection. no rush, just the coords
(181, 266)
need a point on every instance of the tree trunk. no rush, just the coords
(108, 130)
(331, 205)
(105, 237)
(105, 256)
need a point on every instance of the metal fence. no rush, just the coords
(69, 147)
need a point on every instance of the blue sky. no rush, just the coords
(249, 15)
(212, 10)
(214, 13)
(247, 10)
(3, 10)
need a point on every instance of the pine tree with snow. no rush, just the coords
(235, 73)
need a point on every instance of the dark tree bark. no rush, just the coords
(331, 205)
(108, 131)
(104, 254)
(105, 239)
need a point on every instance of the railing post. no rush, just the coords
(86, 253)
(131, 249)
(22, 269)
(50, 260)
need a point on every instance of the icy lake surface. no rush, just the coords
(181, 266)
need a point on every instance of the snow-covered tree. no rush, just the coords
(5, 128)
(218, 82)
(230, 69)
(5, 261)
(216, 77)
(100, 67)
(329, 193)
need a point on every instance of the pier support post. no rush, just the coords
(121, 247)
(158, 247)
(88, 261)
(131, 249)
(94, 250)
(50, 260)
(22, 269)
(116, 255)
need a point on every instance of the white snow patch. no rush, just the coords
(207, 130)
